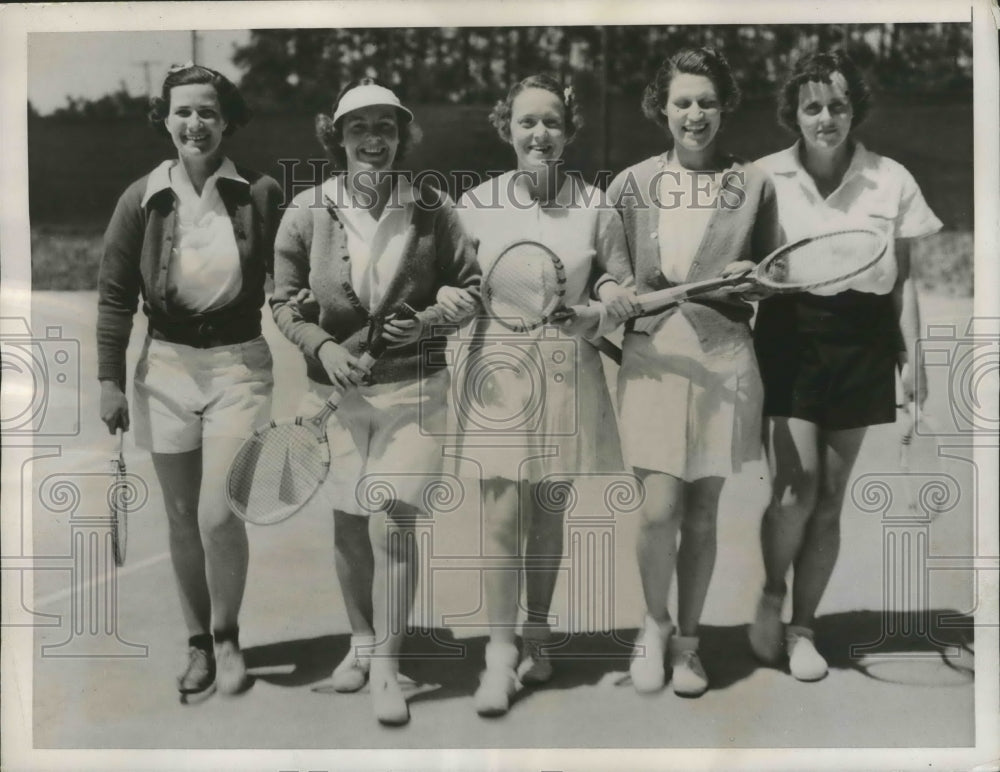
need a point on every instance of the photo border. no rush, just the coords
(16, 22)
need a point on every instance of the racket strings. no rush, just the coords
(276, 472)
(524, 284)
(825, 260)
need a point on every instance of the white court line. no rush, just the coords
(119, 572)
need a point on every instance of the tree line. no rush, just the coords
(300, 70)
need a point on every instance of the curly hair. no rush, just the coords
(572, 114)
(331, 135)
(820, 67)
(235, 111)
(691, 61)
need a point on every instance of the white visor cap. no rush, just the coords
(366, 96)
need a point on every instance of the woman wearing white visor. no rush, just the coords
(360, 246)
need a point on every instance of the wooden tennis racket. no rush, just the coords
(118, 502)
(807, 264)
(279, 468)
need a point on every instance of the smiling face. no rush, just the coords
(825, 113)
(195, 121)
(693, 112)
(371, 138)
(537, 127)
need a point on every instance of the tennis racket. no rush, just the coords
(525, 287)
(118, 503)
(279, 468)
(807, 264)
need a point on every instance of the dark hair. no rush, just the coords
(331, 135)
(820, 67)
(573, 116)
(235, 111)
(691, 61)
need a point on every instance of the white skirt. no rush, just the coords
(530, 406)
(687, 412)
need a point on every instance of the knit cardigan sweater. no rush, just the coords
(138, 244)
(311, 252)
(743, 227)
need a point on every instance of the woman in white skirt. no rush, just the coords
(359, 246)
(535, 405)
(689, 390)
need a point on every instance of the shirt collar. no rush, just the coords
(159, 178)
(787, 161)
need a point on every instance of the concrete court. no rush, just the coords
(294, 630)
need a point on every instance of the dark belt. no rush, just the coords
(205, 334)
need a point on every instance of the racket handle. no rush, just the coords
(366, 361)
(609, 349)
(120, 436)
(672, 296)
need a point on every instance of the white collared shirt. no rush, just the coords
(375, 246)
(876, 192)
(204, 272)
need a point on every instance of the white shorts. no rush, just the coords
(183, 394)
(385, 444)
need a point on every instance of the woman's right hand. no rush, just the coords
(343, 369)
(114, 407)
(456, 303)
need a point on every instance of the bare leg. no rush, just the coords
(355, 564)
(396, 564)
(394, 547)
(179, 475)
(223, 535)
(503, 547)
(502, 538)
(696, 557)
(794, 457)
(821, 545)
(544, 549)
(656, 548)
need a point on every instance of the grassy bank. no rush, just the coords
(67, 258)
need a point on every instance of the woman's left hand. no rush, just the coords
(747, 290)
(402, 332)
(579, 321)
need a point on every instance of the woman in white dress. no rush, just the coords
(546, 414)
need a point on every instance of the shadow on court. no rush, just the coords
(930, 647)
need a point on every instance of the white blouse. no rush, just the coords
(204, 272)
